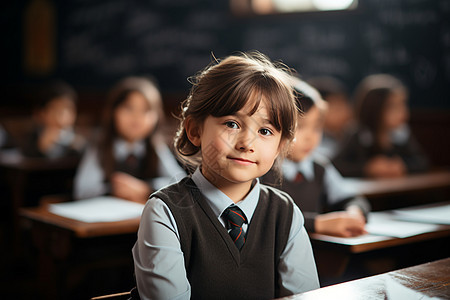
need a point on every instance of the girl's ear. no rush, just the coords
(193, 131)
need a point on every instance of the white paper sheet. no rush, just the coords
(435, 215)
(381, 223)
(99, 209)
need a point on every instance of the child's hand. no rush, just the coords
(130, 188)
(48, 138)
(340, 223)
(382, 166)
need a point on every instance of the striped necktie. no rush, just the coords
(235, 218)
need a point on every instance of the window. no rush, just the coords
(264, 7)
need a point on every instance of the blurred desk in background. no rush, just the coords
(78, 260)
(29, 179)
(391, 244)
(414, 189)
(426, 281)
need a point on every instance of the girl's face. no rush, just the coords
(58, 113)
(307, 135)
(395, 112)
(134, 118)
(340, 114)
(237, 148)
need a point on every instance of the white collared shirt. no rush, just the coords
(89, 180)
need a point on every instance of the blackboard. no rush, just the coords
(100, 42)
(168, 39)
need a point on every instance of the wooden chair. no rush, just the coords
(118, 296)
(131, 295)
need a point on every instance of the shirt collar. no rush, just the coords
(218, 201)
(122, 149)
(398, 136)
(305, 166)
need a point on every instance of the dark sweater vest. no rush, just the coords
(310, 196)
(216, 269)
(138, 170)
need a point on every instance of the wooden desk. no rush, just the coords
(410, 183)
(68, 251)
(414, 189)
(429, 279)
(17, 168)
(30, 178)
(341, 259)
(78, 229)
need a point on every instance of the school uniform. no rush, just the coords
(359, 149)
(184, 250)
(90, 179)
(6, 141)
(316, 187)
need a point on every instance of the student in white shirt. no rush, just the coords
(328, 205)
(237, 120)
(131, 159)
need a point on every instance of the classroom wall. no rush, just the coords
(92, 44)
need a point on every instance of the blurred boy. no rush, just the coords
(55, 115)
(312, 181)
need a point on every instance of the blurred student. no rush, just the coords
(339, 116)
(54, 114)
(328, 206)
(382, 145)
(219, 233)
(6, 141)
(131, 159)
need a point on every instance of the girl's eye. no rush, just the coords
(265, 131)
(231, 124)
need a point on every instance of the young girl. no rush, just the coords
(238, 118)
(315, 185)
(131, 159)
(382, 146)
(54, 114)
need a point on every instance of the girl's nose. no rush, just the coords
(245, 141)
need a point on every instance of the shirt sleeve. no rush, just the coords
(335, 185)
(297, 268)
(89, 178)
(341, 195)
(158, 259)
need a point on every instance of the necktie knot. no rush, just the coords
(299, 177)
(235, 218)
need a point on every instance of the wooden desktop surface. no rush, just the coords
(430, 280)
(410, 183)
(78, 228)
(374, 242)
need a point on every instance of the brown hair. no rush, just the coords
(306, 97)
(54, 89)
(371, 96)
(224, 87)
(117, 96)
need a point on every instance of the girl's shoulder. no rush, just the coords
(275, 194)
